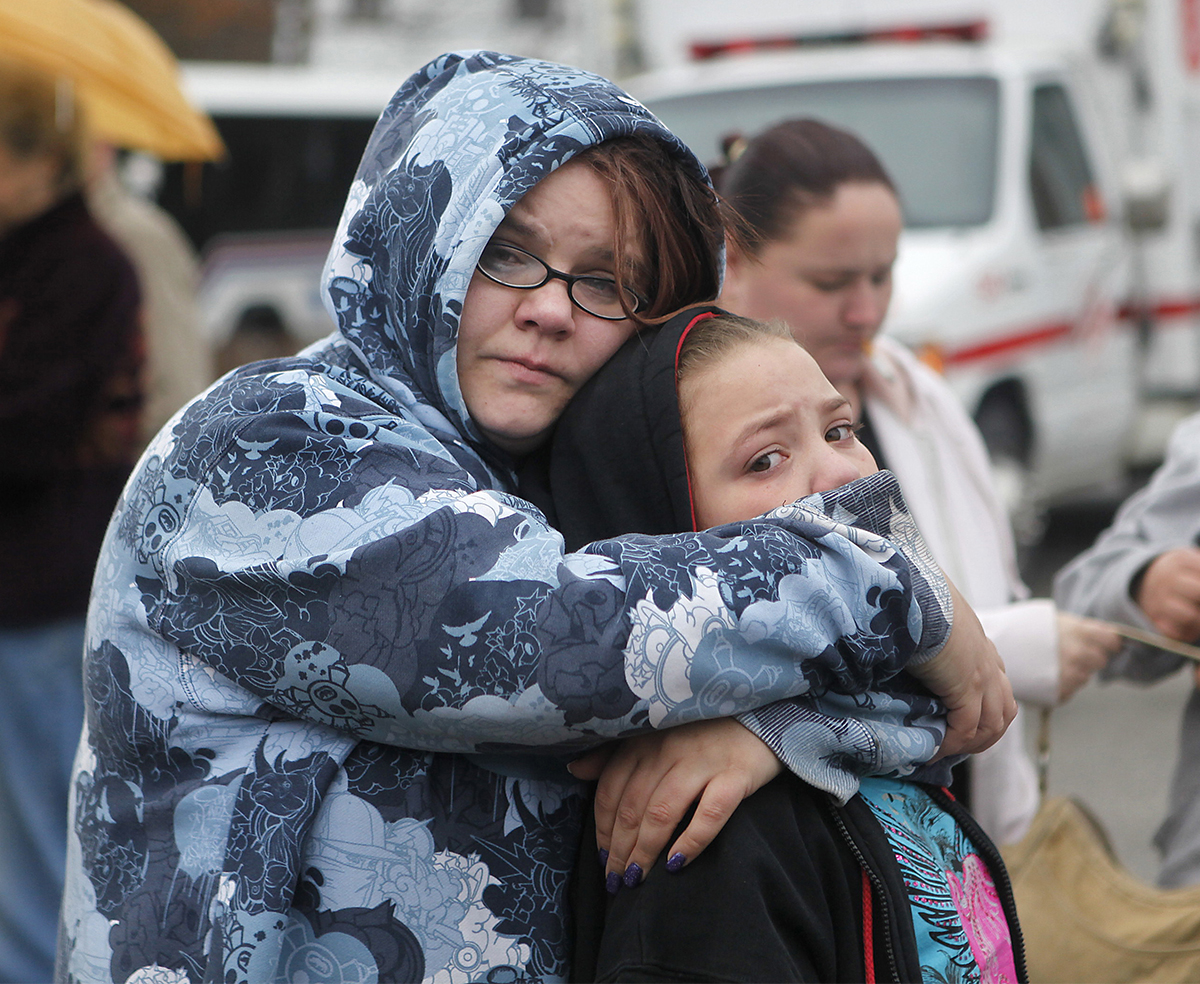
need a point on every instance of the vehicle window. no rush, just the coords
(936, 136)
(1060, 178)
(282, 173)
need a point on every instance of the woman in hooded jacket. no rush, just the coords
(335, 666)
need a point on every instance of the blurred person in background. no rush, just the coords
(179, 363)
(825, 222)
(69, 399)
(1144, 570)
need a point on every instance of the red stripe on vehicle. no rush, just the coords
(1180, 308)
(1042, 335)
(1047, 334)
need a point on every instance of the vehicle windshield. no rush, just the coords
(282, 173)
(937, 137)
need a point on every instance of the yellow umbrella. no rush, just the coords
(125, 76)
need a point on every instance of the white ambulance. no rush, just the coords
(1043, 154)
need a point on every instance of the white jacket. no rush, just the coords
(937, 454)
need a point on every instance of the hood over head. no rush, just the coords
(458, 145)
(617, 463)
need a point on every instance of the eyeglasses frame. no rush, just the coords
(569, 279)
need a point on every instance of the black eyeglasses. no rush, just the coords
(601, 297)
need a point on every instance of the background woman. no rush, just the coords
(826, 222)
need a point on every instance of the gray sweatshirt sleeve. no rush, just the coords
(1161, 517)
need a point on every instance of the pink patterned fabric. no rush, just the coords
(983, 919)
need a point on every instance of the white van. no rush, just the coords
(264, 217)
(1015, 265)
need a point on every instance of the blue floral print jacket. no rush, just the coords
(334, 666)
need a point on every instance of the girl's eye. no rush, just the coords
(842, 432)
(765, 462)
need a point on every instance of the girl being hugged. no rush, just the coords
(716, 419)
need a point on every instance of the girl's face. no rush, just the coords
(522, 354)
(763, 428)
(829, 277)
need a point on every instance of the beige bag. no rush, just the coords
(1085, 918)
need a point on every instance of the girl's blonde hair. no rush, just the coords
(711, 338)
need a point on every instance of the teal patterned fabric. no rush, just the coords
(334, 666)
(962, 932)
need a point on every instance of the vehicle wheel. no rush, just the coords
(1012, 481)
(260, 333)
(1008, 434)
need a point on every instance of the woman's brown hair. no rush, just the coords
(672, 218)
(790, 167)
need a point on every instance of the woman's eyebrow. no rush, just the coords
(511, 224)
(846, 271)
(849, 270)
(514, 226)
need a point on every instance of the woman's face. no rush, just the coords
(829, 277)
(522, 354)
(763, 428)
(28, 186)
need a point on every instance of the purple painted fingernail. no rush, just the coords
(633, 875)
(603, 855)
(675, 862)
(612, 883)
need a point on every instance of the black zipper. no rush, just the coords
(998, 871)
(876, 885)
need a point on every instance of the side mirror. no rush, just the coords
(1146, 195)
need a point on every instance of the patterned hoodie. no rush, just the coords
(334, 665)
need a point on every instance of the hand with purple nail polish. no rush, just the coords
(649, 782)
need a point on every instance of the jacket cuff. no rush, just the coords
(1026, 636)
